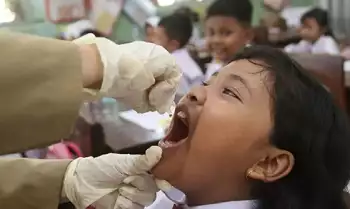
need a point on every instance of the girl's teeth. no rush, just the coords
(166, 144)
(181, 115)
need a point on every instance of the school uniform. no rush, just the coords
(192, 74)
(162, 202)
(324, 45)
(212, 68)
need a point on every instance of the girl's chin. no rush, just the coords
(220, 57)
(169, 167)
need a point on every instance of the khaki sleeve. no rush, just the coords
(30, 183)
(40, 91)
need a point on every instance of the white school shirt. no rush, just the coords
(324, 45)
(212, 68)
(191, 72)
(162, 202)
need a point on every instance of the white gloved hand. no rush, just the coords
(112, 181)
(136, 192)
(140, 74)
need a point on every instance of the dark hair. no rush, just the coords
(177, 27)
(95, 32)
(321, 17)
(189, 12)
(309, 124)
(241, 10)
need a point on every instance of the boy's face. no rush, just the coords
(161, 38)
(223, 130)
(310, 30)
(149, 33)
(226, 36)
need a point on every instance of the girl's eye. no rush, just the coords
(231, 93)
(226, 33)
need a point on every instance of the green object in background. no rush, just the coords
(33, 10)
(301, 3)
(45, 29)
(123, 29)
(258, 11)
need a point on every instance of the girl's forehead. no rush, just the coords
(243, 67)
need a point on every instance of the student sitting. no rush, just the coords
(196, 35)
(227, 30)
(261, 134)
(316, 35)
(150, 25)
(173, 33)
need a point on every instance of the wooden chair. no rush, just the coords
(283, 39)
(261, 35)
(328, 70)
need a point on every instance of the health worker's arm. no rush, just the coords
(41, 82)
(31, 183)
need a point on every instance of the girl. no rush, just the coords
(261, 134)
(316, 35)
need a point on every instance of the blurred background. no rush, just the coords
(125, 19)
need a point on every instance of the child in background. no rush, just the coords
(227, 30)
(261, 134)
(173, 33)
(151, 24)
(316, 34)
(196, 35)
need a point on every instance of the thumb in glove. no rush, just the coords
(88, 179)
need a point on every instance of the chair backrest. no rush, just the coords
(328, 70)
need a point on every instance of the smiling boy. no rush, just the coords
(227, 30)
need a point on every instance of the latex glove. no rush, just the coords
(137, 192)
(140, 74)
(110, 180)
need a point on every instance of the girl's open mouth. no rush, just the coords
(178, 131)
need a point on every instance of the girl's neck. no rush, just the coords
(315, 40)
(220, 193)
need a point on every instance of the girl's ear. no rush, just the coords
(276, 165)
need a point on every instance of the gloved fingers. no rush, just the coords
(139, 164)
(144, 198)
(163, 66)
(115, 201)
(142, 183)
(162, 96)
(137, 100)
(163, 185)
(167, 75)
(125, 203)
(133, 75)
(107, 202)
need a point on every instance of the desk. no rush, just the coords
(135, 131)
